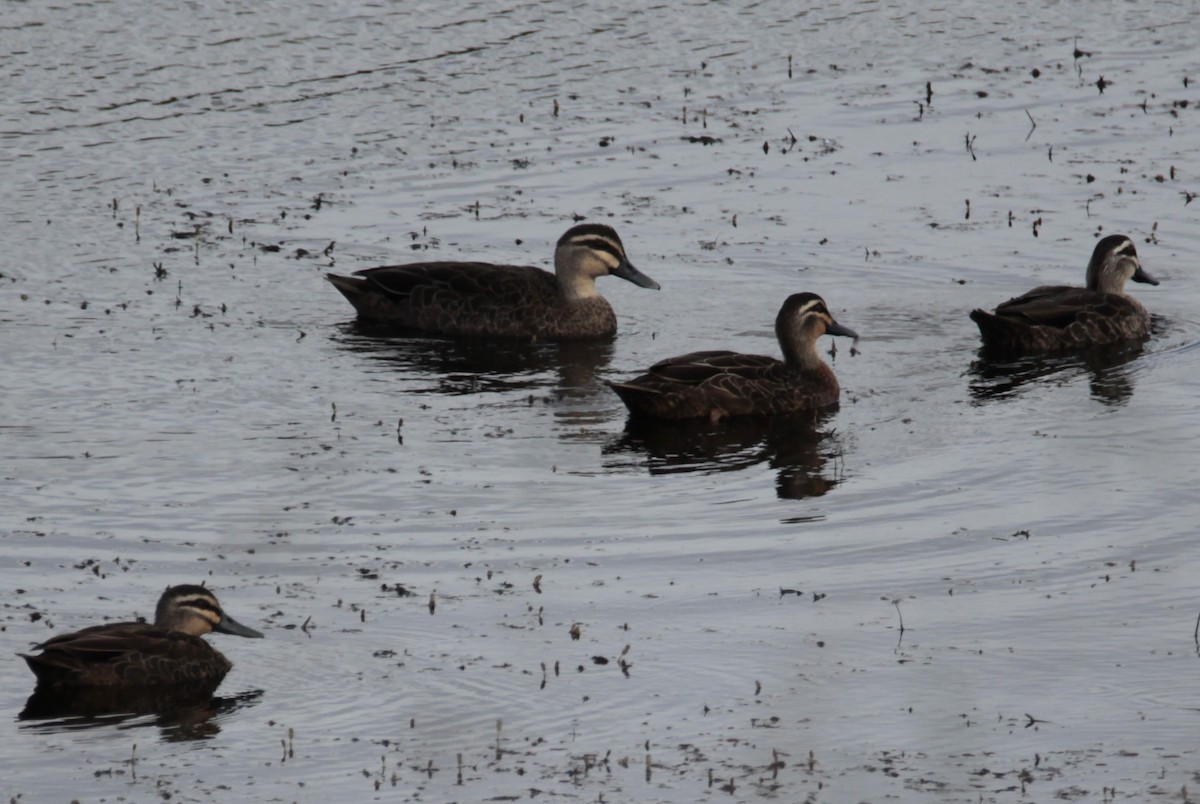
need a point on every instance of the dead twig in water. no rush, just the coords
(971, 146)
(776, 763)
(1033, 125)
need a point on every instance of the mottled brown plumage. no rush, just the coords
(168, 652)
(1057, 318)
(718, 384)
(476, 299)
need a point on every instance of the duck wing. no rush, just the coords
(126, 654)
(450, 283)
(1060, 306)
(705, 368)
(99, 640)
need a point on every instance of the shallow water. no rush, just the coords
(186, 400)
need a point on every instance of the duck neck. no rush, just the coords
(799, 352)
(573, 284)
(1107, 275)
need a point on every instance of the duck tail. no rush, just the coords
(992, 328)
(636, 397)
(1002, 337)
(349, 286)
(47, 670)
(625, 391)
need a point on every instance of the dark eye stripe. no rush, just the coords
(598, 244)
(813, 307)
(202, 603)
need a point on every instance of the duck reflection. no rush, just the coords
(180, 713)
(805, 454)
(1111, 378)
(473, 365)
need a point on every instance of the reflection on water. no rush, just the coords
(181, 714)
(469, 365)
(1109, 379)
(807, 457)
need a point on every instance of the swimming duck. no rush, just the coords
(715, 385)
(476, 299)
(1059, 317)
(167, 652)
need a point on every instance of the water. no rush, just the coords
(185, 400)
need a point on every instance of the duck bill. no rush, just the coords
(626, 271)
(228, 625)
(834, 328)
(1141, 275)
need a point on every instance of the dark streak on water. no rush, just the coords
(1034, 524)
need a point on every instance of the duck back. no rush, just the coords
(719, 384)
(474, 300)
(1061, 318)
(127, 654)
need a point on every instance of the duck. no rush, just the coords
(167, 652)
(482, 300)
(715, 385)
(1057, 318)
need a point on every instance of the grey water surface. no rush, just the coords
(970, 582)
